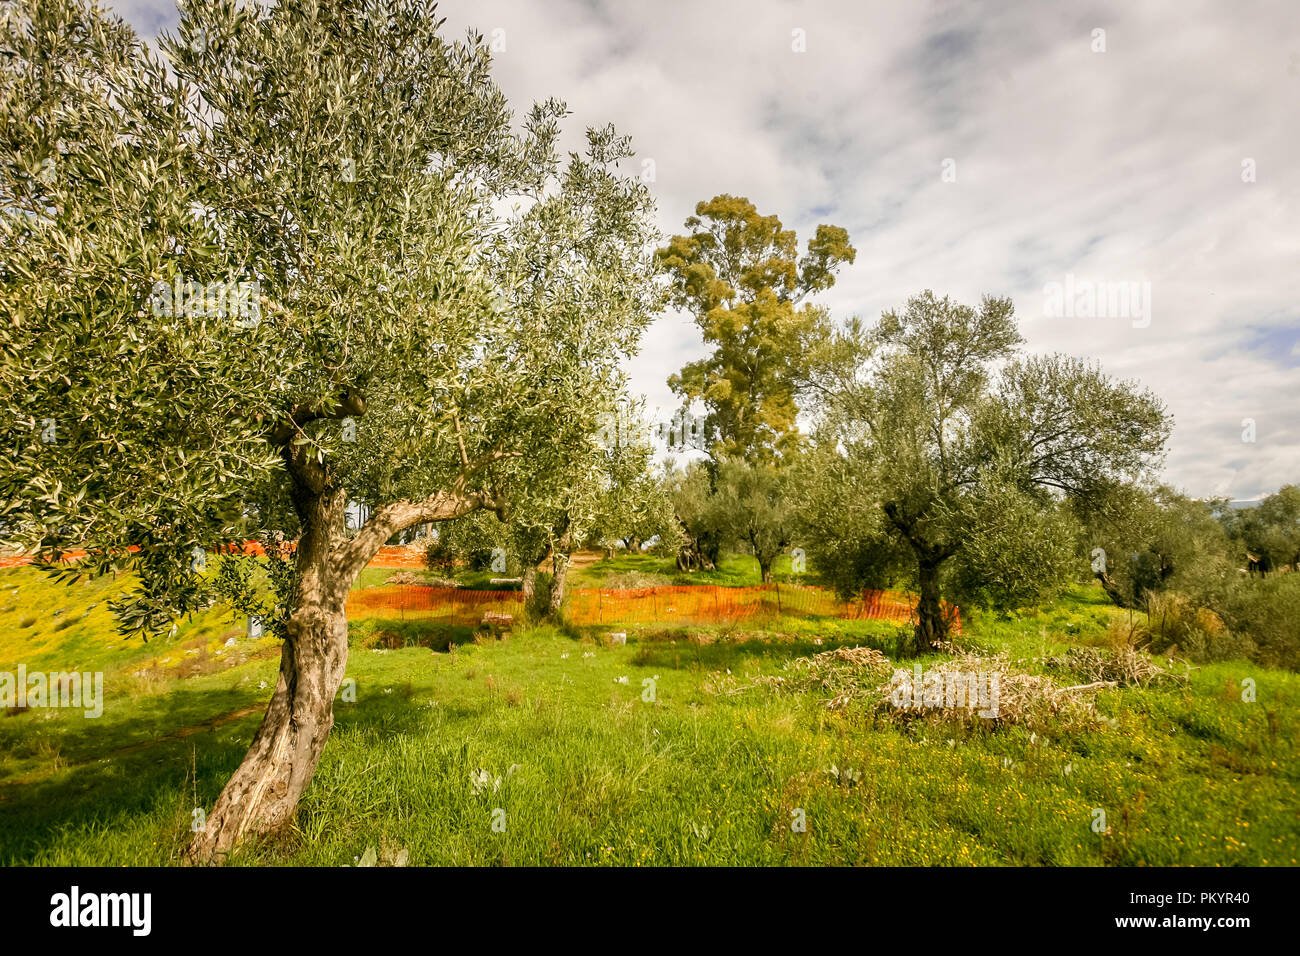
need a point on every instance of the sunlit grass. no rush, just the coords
(591, 772)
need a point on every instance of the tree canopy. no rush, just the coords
(300, 257)
(964, 450)
(740, 276)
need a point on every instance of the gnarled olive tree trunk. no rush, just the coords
(698, 553)
(264, 791)
(931, 624)
(1114, 591)
(531, 555)
(931, 619)
(560, 558)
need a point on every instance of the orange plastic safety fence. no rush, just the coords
(456, 606)
(686, 604)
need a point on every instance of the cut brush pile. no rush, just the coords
(846, 673)
(986, 691)
(1123, 665)
(968, 688)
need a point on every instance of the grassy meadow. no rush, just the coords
(553, 746)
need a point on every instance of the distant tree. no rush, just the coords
(1270, 531)
(740, 276)
(964, 450)
(756, 507)
(552, 531)
(699, 515)
(603, 487)
(439, 557)
(1141, 542)
(635, 511)
(469, 542)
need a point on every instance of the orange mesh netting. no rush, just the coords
(686, 604)
(443, 605)
(675, 604)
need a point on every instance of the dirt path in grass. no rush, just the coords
(577, 561)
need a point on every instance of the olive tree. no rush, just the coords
(699, 514)
(956, 453)
(1141, 542)
(1269, 533)
(757, 509)
(634, 505)
(606, 482)
(637, 510)
(274, 269)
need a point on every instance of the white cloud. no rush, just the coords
(1125, 164)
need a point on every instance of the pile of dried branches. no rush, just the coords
(1124, 665)
(847, 673)
(968, 688)
(996, 694)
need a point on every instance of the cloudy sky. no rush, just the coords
(1013, 148)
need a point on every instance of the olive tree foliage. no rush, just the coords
(403, 337)
(1182, 561)
(1019, 551)
(592, 291)
(1269, 532)
(757, 507)
(258, 158)
(473, 542)
(636, 511)
(699, 513)
(841, 522)
(634, 504)
(955, 452)
(1139, 542)
(587, 291)
(555, 524)
(606, 487)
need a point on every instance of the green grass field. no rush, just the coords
(548, 734)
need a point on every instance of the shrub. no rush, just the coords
(1266, 611)
(439, 557)
(537, 608)
(1175, 623)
